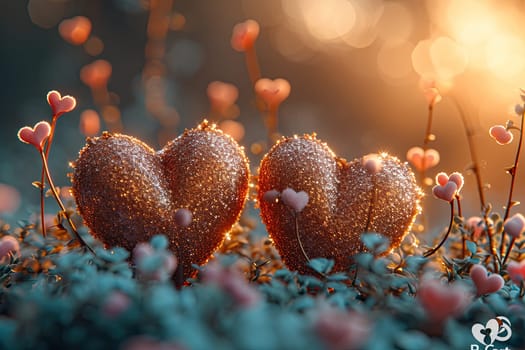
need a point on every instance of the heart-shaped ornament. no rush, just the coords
(193, 191)
(345, 199)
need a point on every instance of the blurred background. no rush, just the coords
(355, 69)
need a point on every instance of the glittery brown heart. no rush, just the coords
(126, 192)
(345, 199)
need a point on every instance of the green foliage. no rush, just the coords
(57, 296)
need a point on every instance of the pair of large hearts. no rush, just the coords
(127, 192)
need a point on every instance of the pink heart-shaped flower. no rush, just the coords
(295, 200)
(421, 159)
(446, 192)
(501, 134)
(442, 179)
(515, 225)
(517, 271)
(442, 301)
(60, 105)
(272, 92)
(35, 136)
(222, 95)
(244, 35)
(458, 179)
(485, 284)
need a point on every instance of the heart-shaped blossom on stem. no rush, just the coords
(272, 92)
(484, 283)
(430, 91)
(515, 225)
(442, 301)
(423, 159)
(445, 192)
(60, 105)
(456, 177)
(516, 271)
(36, 135)
(244, 35)
(295, 200)
(501, 134)
(222, 96)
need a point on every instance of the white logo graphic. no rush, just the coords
(496, 329)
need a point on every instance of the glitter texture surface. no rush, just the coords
(345, 200)
(127, 193)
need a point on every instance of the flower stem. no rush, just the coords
(299, 238)
(436, 248)
(426, 141)
(477, 173)
(513, 170)
(42, 175)
(271, 123)
(60, 204)
(252, 63)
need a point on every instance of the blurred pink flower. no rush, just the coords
(222, 95)
(484, 283)
(342, 330)
(9, 199)
(430, 91)
(421, 159)
(516, 271)
(515, 225)
(272, 92)
(143, 251)
(442, 301)
(116, 303)
(295, 200)
(501, 135)
(9, 245)
(232, 282)
(476, 225)
(244, 35)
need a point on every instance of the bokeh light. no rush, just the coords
(75, 30)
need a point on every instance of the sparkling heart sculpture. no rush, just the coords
(126, 192)
(345, 200)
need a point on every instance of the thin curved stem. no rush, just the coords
(510, 203)
(436, 248)
(299, 238)
(47, 147)
(60, 204)
(511, 245)
(252, 64)
(477, 173)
